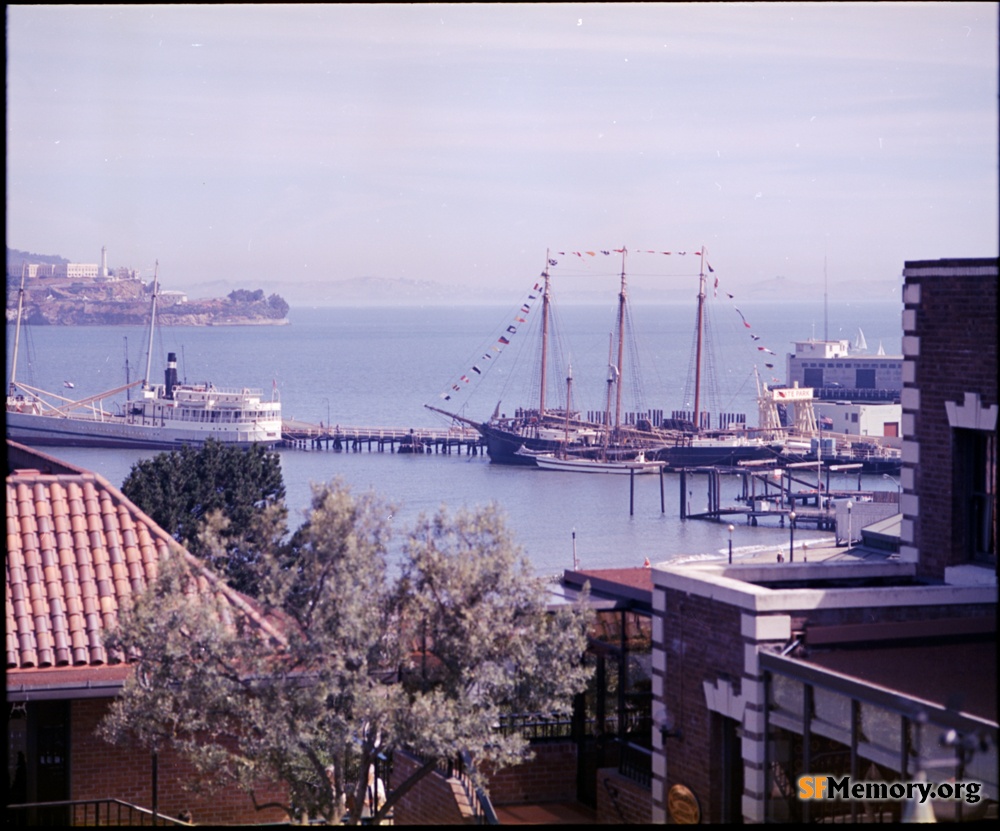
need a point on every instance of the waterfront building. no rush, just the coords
(834, 371)
(876, 659)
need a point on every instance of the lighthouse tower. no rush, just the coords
(104, 261)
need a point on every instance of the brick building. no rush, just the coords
(950, 409)
(76, 550)
(873, 663)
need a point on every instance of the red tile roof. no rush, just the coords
(77, 548)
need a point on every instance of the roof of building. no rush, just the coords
(610, 588)
(77, 549)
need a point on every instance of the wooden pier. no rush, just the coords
(305, 436)
(776, 493)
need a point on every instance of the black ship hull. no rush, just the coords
(507, 447)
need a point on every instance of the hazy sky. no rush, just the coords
(457, 143)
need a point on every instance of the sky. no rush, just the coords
(297, 145)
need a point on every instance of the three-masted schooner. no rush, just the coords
(554, 434)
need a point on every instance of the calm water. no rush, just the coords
(382, 366)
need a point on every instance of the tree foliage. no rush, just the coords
(222, 502)
(246, 296)
(425, 656)
(273, 306)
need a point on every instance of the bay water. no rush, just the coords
(381, 366)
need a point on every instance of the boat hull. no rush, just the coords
(504, 448)
(722, 455)
(869, 464)
(596, 466)
(508, 448)
(116, 432)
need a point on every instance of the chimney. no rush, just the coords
(170, 374)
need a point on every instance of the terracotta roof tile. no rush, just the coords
(77, 548)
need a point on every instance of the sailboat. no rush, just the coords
(567, 462)
(640, 464)
(162, 417)
(531, 431)
(541, 436)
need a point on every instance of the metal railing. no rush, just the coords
(87, 812)
(537, 726)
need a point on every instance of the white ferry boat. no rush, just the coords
(164, 416)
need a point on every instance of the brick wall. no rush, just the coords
(621, 801)
(702, 642)
(955, 321)
(99, 770)
(433, 801)
(549, 777)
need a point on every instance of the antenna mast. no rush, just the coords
(826, 334)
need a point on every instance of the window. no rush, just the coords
(975, 493)
(813, 377)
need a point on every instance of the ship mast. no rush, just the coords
(612, 377)
(700, 330)
(152, 324)
(545, 339)
(569, 401)
(17, 331)
(621, 345)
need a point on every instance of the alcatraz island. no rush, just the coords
(61, 293)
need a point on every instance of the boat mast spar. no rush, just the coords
(545, 338)
(612, 376)
(569, 402)
(17, 331)
(700, 331)
(621, 345)
(152, 323)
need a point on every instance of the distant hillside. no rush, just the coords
(15, 258)
(394, 291)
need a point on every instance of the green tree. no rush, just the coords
(278, 306)
(222, 502)
(246, 296)
(427, 656)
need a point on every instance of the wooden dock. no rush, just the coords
(774, 493)
(339, 438)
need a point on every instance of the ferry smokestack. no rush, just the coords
(170, 374)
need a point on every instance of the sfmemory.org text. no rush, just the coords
(830, 787)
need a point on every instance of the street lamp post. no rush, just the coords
(850, 535)
(899, 489)
(731, 529)
(791, 537)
